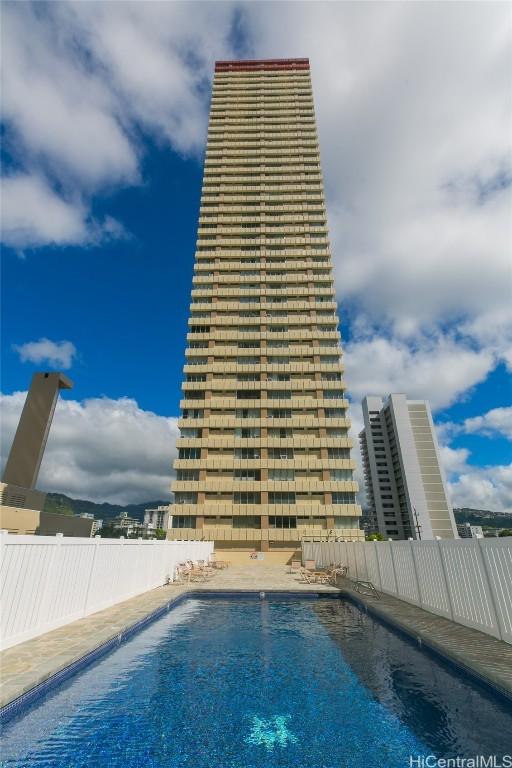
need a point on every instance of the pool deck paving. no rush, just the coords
(29, 664)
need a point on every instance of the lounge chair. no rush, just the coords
(307, 577)
(218, 564)
(204, 566)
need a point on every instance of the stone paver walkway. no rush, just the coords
(481, 655)
(26, 665)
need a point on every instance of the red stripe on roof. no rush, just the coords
(260, 64)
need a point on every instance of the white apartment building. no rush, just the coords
(159, 517)
(468, 531)
(405, 484)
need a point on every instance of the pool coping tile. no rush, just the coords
(452, 643)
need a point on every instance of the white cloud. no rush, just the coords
(495, 422)
(80, 81)
(414, 125)
(454, 460)
(480, 487)
(438, 369)
(62, 113)
(484, 488)
(57, 354)
(32, 214)
(101, 449)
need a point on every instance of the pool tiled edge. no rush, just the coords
(32, 694)
(457, 645)
(484, 659)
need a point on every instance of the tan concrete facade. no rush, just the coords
(264, 453)
(25, 456)
(20, 508)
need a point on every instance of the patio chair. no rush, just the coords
(309, 565)
(218, 564)
(204, 566)
(197, 574)
(338, 571)
(307, 577)
(295, 566)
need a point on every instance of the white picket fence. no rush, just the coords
(466, 580)
(49, 581)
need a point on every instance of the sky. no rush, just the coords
(105, 109)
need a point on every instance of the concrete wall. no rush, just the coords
(466, 580)
(49, 581)
(69, 525)
(18, 519)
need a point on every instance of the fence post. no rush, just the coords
(46, 592)
(493, 607)
(445, 578)
(378, 564)
(420, 601)
(354, 558)
(91, 572)
(393, 565)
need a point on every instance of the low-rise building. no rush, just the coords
(96, 524)
(157, 518)
(467, 531)
(128, 526)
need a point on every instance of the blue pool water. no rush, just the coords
(246, 683)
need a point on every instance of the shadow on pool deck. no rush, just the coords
(30, 663)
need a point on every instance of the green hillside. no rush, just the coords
(484, 518)
(58, 502)
(65, 505)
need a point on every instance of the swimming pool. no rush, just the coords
(250, 683)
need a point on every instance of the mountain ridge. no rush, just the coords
(60, 503)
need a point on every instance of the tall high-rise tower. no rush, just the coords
(405, 484)
(264, 453)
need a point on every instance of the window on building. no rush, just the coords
(185, 497)
(341, 474)
(247, 521)
(282, 522)
(247, 453)
(187, 474)
(190, 432)
(247, 413)
(338, 453)
(246, 497)
(183, 521)
(281, 497)
(343, 497)
(281, 474)
(189, 453)
(280, 453)
(247, 474)
(279, 413)
(248, 394)
(247, 432)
